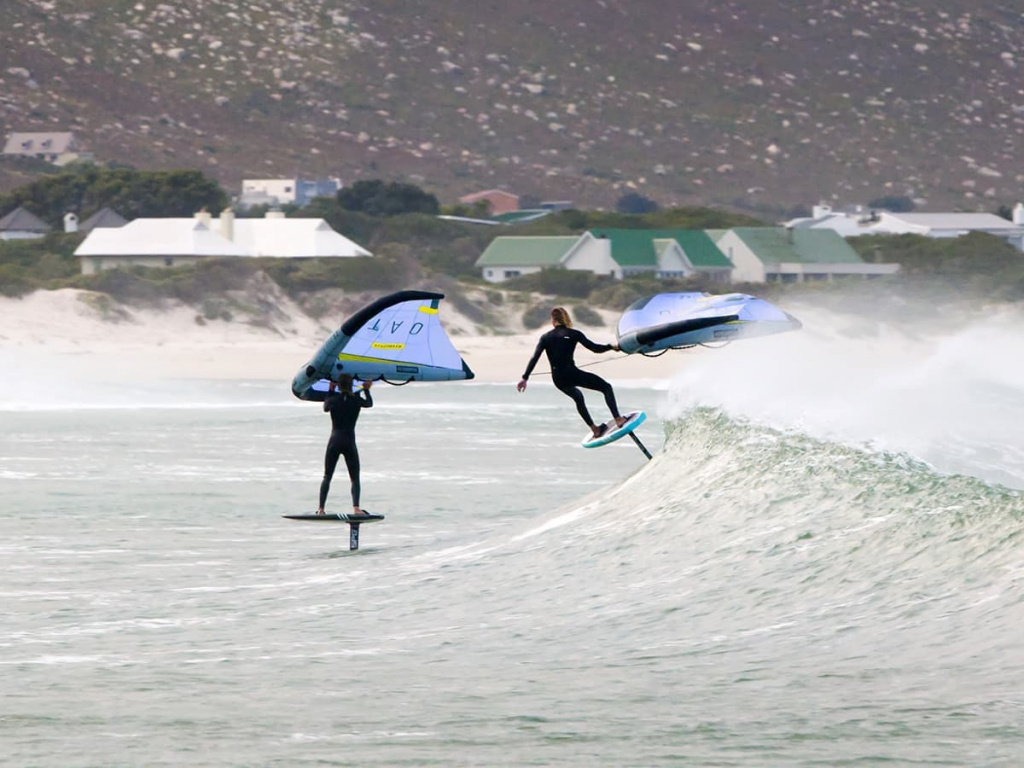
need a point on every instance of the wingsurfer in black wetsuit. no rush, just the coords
(344, 406)
(560, 344)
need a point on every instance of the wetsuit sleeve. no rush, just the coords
(535, 358)
(366, 401)
(591, 345)
(329, 401)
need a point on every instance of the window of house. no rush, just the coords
(511, 273)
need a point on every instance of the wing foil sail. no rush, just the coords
(668, 320)
(398, 338)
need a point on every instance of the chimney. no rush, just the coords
(1018, 214)
(204, 217)
(70, 222)
(227, 224)
(274, 213)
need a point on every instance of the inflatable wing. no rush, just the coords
(397, 338)
(669, 320)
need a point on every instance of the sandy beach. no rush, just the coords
(92, 338)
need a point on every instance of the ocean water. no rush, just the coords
(822, 565)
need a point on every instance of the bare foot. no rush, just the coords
(620, 420)
(320, 511)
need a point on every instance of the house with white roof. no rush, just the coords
(176, 242)
(862, 222)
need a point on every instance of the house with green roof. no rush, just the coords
(665, 252)
(770, 254)
(614, 252)
(508, 257)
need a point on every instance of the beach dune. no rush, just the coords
(88, 332)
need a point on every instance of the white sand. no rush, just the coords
(85, 332)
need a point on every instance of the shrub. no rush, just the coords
(536, 316)
(575, 284)
(586, 316)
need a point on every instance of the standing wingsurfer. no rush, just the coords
(344, 406)
(560, 344)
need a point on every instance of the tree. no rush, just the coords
(893, 203)
(87, 188)
(633, 202)
(378, 198)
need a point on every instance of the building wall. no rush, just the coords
(594, 254)
(284, 190)
(501, 274)
(16, 235)
(671, 263)
(747, 268)
(93, 264)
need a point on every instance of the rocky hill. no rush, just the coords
(761, 105)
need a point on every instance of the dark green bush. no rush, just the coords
(586, 316)
(537, 316)
(573, 283)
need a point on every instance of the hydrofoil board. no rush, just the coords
(339, 517)
(633, 420)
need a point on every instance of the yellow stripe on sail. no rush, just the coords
(428, 310)
(363, 359)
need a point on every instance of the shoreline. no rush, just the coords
(63, 334)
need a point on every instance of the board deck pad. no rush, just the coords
(336, 518)
(633, 420)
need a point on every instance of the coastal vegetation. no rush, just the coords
(412, 246)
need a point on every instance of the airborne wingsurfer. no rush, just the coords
(560, 344)
(344, 406)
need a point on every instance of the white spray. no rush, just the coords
(953, 398)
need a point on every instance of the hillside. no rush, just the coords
(716, 102)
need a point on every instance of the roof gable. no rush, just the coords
(776, 245)
(20, 220)
(526, 251)
(104, 217)
(639, 247)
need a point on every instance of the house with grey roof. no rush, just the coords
(780, 254)
(866, 222)
(104, 217)
(20, 224)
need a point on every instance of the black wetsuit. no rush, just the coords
(560, 344)
(344, 408)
